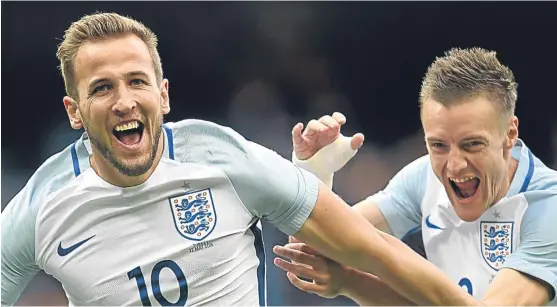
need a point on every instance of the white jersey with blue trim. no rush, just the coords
(187, 236)
(518, 232)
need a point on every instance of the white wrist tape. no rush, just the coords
(328, 160)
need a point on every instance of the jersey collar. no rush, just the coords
(524, 171)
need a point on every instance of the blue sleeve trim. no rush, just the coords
(75, 161)
(170, 141)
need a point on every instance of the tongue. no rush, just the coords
(130, 138)
(467, 188)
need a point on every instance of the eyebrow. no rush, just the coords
(128, 74)
(93, 84)
(136, 73)
(432, 139)
(468, 138)
(474, 137)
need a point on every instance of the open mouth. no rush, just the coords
(129, 133)
(465, 187)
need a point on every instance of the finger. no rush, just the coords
(309, 250)
(299, 270)
(339, 118)
(292, 252)
(292, 239)
(329, 122)
(357, 141)
(302, 247)
(297, 134)
(314, 127)
(304, 285)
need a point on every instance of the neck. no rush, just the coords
(513, 166)
(110, 174)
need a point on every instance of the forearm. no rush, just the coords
(368, 290)
(346, 237)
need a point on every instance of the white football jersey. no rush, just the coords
(518, 232)
(187, 236)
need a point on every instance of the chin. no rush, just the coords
(135, 166)
(470, 212)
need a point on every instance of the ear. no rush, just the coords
(165, 99)
(511, 133)
(73, 113)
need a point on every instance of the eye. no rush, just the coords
(101, 89)
(437, 145)
(137, 82)
(473, 144)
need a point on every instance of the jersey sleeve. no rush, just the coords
(270, 187)
(18, 247)
(536, 254)
(400, 201)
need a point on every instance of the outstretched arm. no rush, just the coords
(330, 279)
(339, 233)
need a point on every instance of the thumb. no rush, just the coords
(357, 141)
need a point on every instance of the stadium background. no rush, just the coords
(262, 67)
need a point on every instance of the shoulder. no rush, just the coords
(542, 201)
(533, 175)
(20, 215)
(195, 131)
(413, 176)
(543, 178)
(420, 166)
(204, 142)
(211, 144)
(541, 194)
(540, 215)
(55, 173)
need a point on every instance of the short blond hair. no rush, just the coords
(466, 73)
(99, 26)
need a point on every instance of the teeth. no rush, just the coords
(460, 180)
(128, 126)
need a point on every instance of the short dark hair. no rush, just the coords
(99, 26)
(466, 73)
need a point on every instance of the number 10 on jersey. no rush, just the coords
(155, 284)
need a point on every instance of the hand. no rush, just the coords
(326, 274)
(319, 134)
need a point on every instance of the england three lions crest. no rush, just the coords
(497, 242)
(194, 214)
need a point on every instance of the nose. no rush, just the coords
(456, 162)
(125, 102)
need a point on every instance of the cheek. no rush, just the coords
(150, 99)
(490, 167)
(95, 119)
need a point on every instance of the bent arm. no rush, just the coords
(370, 211)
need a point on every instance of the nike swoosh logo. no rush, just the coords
(65, 251)
(430, 224)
